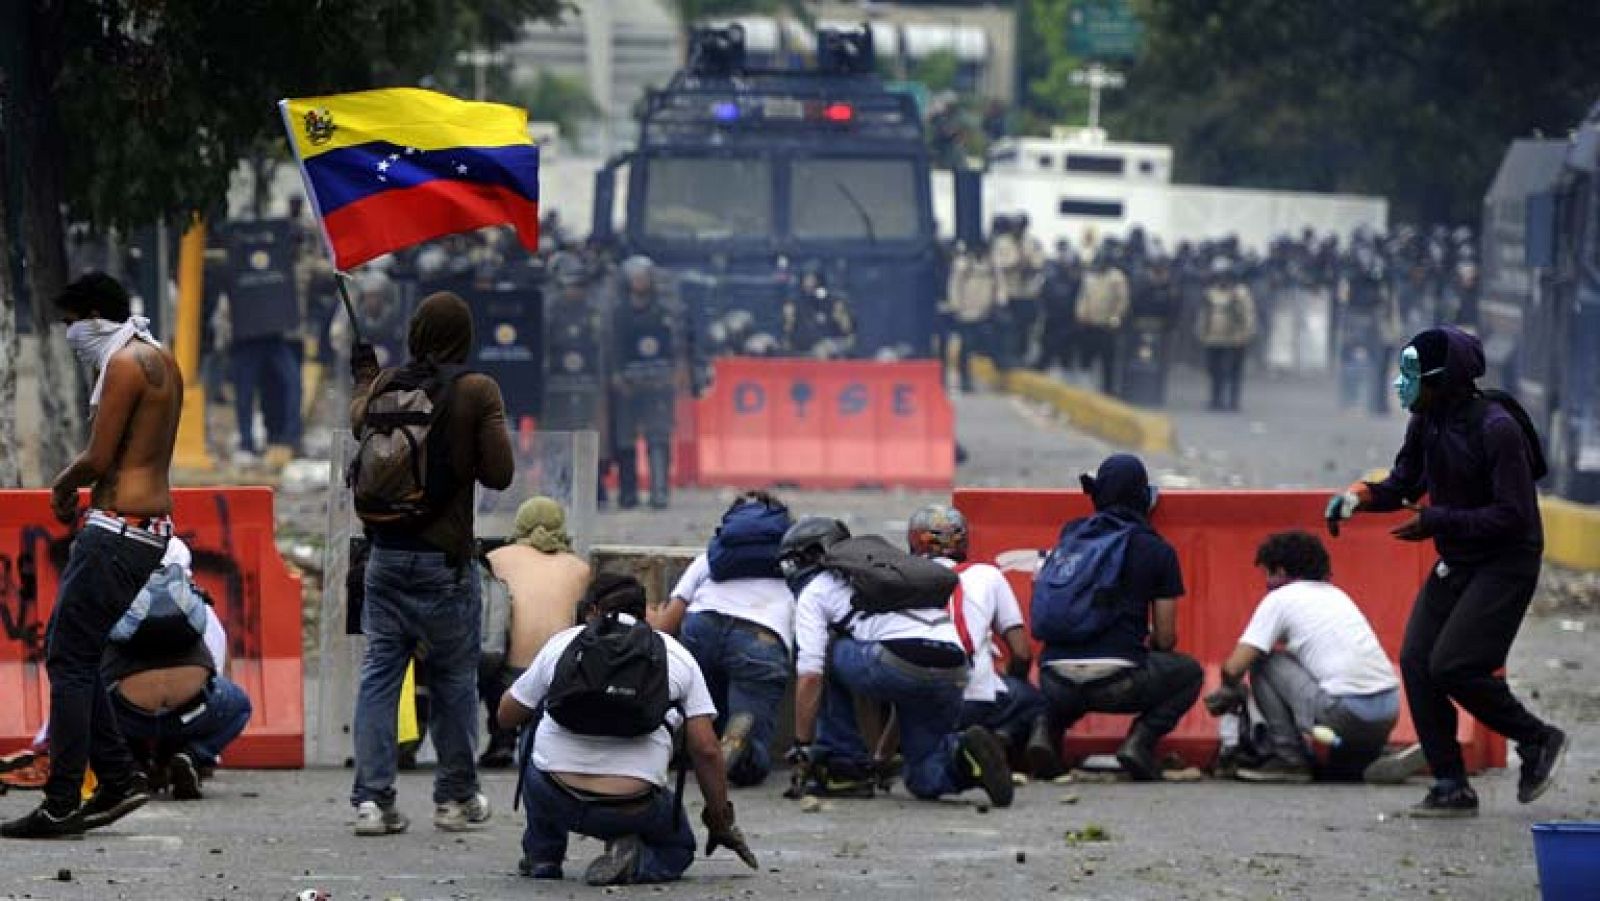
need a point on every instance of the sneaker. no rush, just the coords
(108, 805)
(30, 776)
(823, 785)
(1276, 770)
(736, 741)
(1393, 769)
(41, 823)
(986, 764)
(372, 819)
(183, 778)
(1443, 802)
(546, 870)
(16, 760)
(618, 865)
(459, 816)
(1540, 763)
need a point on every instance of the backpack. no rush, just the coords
(400, 473)
(167, 616)
(1536, 458)
(886, 579)
(746, 544)
(1075, 596)
(611, 680)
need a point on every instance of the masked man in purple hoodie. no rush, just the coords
(1476, 461)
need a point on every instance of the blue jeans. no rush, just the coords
(554, 811)
(103, 575)
(203, 735)
(417, 605)
(747, 669)
(1010, 715)
(270, 367)
(926, 701)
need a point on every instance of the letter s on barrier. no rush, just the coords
(749, 398)
(853, 399)
(902, 400)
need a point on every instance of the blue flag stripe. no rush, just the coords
(344, 176)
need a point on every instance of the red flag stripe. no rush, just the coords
(393, 220)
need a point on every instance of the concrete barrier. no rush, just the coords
(1091, 411)
(1571, 533)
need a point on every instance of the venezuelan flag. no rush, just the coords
(390, 168)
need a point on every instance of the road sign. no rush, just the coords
(1104, 29)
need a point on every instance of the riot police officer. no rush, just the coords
(574, 363)
(817, 320)
(1369, 324)
(643, 385)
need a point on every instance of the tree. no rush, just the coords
(132, 111)
(1412, 99)
(555, 98)
(1047, 95)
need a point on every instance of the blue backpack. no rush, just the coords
(746, 544)
(1074, 593)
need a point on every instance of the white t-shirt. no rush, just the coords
(765, 602)
(1324, 630)
(216, 641)
(827, 600)
(557, 750)
(990, 608)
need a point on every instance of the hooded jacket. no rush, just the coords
(475, 430)
(1475, 469)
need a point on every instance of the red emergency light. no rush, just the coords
(838, 112)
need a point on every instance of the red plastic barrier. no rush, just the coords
(1215, 534)
(230, 532)
(826, 424)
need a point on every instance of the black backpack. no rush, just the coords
(611, 680)
(886, 579)
(1536, 458)
(400, 475)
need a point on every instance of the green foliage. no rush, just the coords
(553, 98)
(160, 98)
(1050, 97)
(1412, 99)
(937, 71)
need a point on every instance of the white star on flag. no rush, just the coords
(394, 156)
(383, 166)
(410, 150)
(383, 178)
(461, 169)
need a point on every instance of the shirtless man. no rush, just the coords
(546, 580)
(121, 538)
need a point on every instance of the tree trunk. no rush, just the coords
(10, 348)
(44, 147)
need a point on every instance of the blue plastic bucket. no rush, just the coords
(1569, 860)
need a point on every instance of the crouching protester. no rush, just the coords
(1105, 604)
(982, 607)
(1476, 457)
(734, 613)
(1330, 679)
(545, 581)
(607, 696)
(891, 643)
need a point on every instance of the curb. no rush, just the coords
(1091, 411)
(1571, 533)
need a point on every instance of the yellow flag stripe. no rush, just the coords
(408, 117)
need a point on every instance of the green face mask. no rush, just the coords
(1409, 383)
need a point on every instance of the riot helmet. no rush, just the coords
(804, 544)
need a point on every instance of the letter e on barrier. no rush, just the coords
(903, 400)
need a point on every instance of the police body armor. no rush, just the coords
(645, 358)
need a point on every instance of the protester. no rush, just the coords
(1476, 458)
(545, 580)
(644, 385)
(983, 606)
(910, 659)
(600, 756)
(1331, 679)
(420, 590)
(736, 616)
(1105, 604)
(134, 404)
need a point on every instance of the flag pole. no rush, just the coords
(349, 306)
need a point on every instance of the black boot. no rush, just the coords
(1138, 754)
(1043, 763)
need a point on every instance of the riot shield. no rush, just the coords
(559, 465)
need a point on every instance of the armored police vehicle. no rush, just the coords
(1540, 313)
(745, 178)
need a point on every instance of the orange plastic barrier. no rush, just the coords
(230, 532)
(1215, 534)
(826, 424)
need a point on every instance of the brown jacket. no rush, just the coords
(475, 433)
